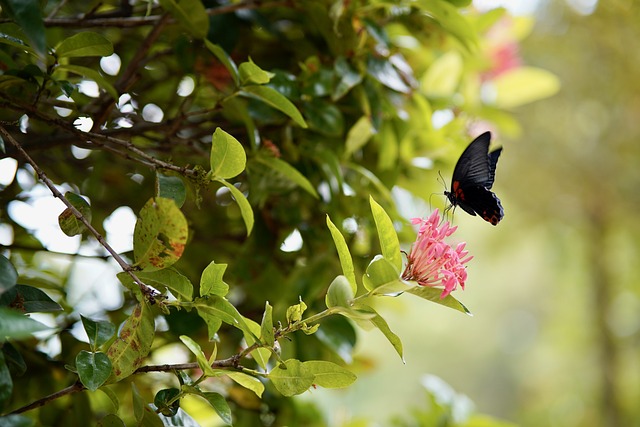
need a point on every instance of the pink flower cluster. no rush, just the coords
(432, 261)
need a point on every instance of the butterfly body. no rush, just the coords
(473, 178)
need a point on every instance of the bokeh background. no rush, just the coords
(554, 287)
(554, 336)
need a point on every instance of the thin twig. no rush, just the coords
(137, 21)
(128, 77)
(103, 141)
(146, 290)
(74, 388)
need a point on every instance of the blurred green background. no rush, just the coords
(554, 289)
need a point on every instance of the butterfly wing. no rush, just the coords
(473, 178)
(476, 166)
(479, 200)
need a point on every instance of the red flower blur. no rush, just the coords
(432, 261)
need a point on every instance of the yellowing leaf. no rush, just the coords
(133, 343)
(69, 223)
(247, 381)
(160, 234)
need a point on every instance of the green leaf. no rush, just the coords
(393, 288)
(443, 76)
(111, 420)
(218, 307)
(359, 134)
(27, 14)
(433, 295)
(383, 71)
(213, 322)
(69, 223)
(113, 397)
(84, 44)
(160, 234)
(243, 204)
(168, 278)
(191, 14)
(294, 313)
(93, 369)
(291, 378)
(524, 85)
(6, 383)
(12, 35)
(329, 375)
(343, 253)
(266, 327)
(211, 282)
(373, 179)
(171, 187)
(340, 293)
(144, 414)
(276, 100)
(389, 243)
(98, 332)
(228, 158)
(252, 331)
(90, 74)
(379, 322)
(8, 274)
(133, 343)
(251, 73)
(247, 381)
(16, 326)
(324, 117)
(450, 19)
(14, 360)
(220, 405)
(165, 403)
(289, 172)
(195, 348)
(348, 78)
(380, 272)
(225, 59)
(28, 300)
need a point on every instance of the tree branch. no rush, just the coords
(128, 77)
(149, 292)
(74, 388)
(138, 21)
(93, 139)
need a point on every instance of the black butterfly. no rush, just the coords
(472, 180)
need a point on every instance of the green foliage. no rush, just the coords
(328, 108)
(84, 44)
